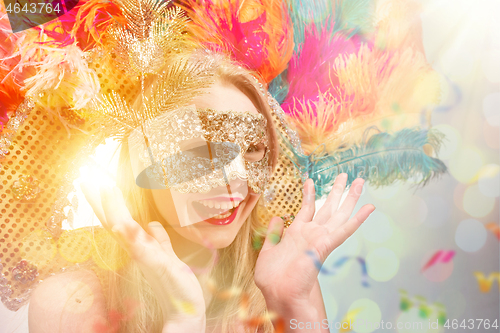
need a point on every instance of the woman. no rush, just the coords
(177, 261)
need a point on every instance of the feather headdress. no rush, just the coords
(256, 33)
(356, 90)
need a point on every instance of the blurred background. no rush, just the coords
(425, 255)
(433, 253)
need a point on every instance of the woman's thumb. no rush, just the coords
(274, 232)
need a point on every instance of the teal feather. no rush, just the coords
(279, 87)
(354, 16)
(380, 159)
(305, 12)
(348, 17)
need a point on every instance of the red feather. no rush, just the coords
(310, 71)
(256, 33)
(86, 23)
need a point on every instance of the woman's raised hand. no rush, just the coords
(177, 288)
(287, 269)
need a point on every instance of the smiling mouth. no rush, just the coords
(216, 210)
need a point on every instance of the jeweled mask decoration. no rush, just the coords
(193, 150)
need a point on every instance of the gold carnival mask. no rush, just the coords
(195, 150)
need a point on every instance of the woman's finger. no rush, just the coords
(119, 221)
(159, 233)
(274, 232)
(115, 209)
(332, 202)
(93, 197)
(345, 210)
(338, 236)
(306, 212)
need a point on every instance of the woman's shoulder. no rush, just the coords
(67, 302)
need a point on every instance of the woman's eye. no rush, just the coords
(255, 152)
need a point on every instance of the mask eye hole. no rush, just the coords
(255, 152)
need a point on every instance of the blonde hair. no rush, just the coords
(236, 263)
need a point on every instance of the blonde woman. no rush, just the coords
(176, 262)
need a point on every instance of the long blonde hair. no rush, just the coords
(236, 263)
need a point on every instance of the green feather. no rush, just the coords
(380, 159)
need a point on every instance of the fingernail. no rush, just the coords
(104, 188)
(115, 229)
(308, 190)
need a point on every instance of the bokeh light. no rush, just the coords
(489, 180)
(369, 313)
(465, 164)
(382, 264)
(475, 203)
(470, 235)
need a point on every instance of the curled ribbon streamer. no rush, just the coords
(339, 263)
(439, 256)
(425, 309)
(350, 315)
(116, 317)
(494, 228)
(252, 322)
(485, 283)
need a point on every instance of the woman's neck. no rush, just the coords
(197, 256)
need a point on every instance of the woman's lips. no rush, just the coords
(217, 216)
(224, 221)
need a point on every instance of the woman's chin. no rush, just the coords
(213, 239)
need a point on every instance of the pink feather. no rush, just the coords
(314, 64)
(257, 33)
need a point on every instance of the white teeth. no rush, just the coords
(220, 205)
(223, 216)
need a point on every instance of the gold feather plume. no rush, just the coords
(182, 80)
(153, 31)
(153, 46)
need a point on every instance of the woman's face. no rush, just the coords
(214, 218)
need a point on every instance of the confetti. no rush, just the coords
(485, 283)
(494, 228)
(339, 263)
(440, 256)
(425, 309)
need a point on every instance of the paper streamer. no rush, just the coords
(252, 322)
(494, 228)
(348, 318)
(339, 263)
(455, 100)
(116, 317)
(440, 256)
(425, 309)
(485, 283)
